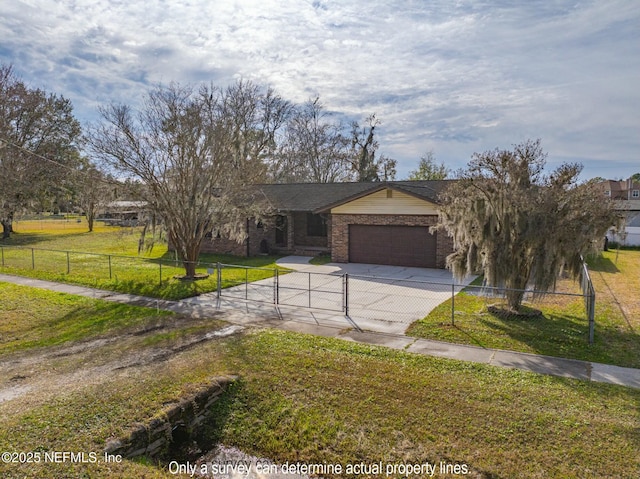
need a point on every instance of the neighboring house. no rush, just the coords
(621, 190)
(379, 223)
(123, 212)
(626, 194)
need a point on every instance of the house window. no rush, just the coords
(607, 193)
(281, 230)
(635, 194)
(316, 225)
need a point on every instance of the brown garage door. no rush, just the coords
(393, 245)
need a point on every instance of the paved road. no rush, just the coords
(248, 314)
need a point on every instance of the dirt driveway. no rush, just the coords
(95, 361)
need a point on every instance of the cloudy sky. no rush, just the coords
(455, 77)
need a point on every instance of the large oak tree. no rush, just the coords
(519, 227)
(198, 152)
(365, 165)
(317, 148)
(38, 146)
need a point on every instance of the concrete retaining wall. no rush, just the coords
(156, 437)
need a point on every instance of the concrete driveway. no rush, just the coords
(384, 299)
(380, 298)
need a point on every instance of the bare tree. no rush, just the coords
(93, 190)
(364, 164)
(314, 148)
(519, 227)
(38, 146)
(198, 152)
(428, 169)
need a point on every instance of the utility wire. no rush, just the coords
(4, 141)
(103, 178)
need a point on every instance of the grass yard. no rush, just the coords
(108, 258)
(562, 330)
(303, 398)
(35, 318)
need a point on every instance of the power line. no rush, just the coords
(4, 141)
(103, 178)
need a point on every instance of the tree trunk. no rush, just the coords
(189, 262)
(190, 269)
(7, 226)
(514, 299)
(6, 229)
(516, 287)
(90, 214)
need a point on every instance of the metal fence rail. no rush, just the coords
(369, 297)
(312, 290)
(233, 281)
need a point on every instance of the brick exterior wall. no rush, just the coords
(296, 237)
(340, 233)
(337, 235)
(224, 245)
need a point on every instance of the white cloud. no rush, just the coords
(456, 77)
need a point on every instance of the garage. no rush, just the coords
(393, 245)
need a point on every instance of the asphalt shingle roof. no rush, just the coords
(318, 196)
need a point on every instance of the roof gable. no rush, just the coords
(321, 197)
(388, 201)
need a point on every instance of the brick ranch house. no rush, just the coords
(378, 223)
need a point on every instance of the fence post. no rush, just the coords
(2, 248)
(109, 257)
(33, 259)
(453, 304)
(218, 279)
(68, 264)
(160, 264)
(309, 289)
(589, 298)
(275, 286)
(346, 293)
(592, 313)
(246, 283)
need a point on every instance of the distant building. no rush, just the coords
(626, 194)
(123, 213)
(621, 189)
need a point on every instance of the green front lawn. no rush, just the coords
(563, 328)
(35, 318)
(314, 400)
(299, 398)
(108, 259)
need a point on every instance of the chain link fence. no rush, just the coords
(559, 316)
(94, 266)
(395, 299)
(360, 298)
